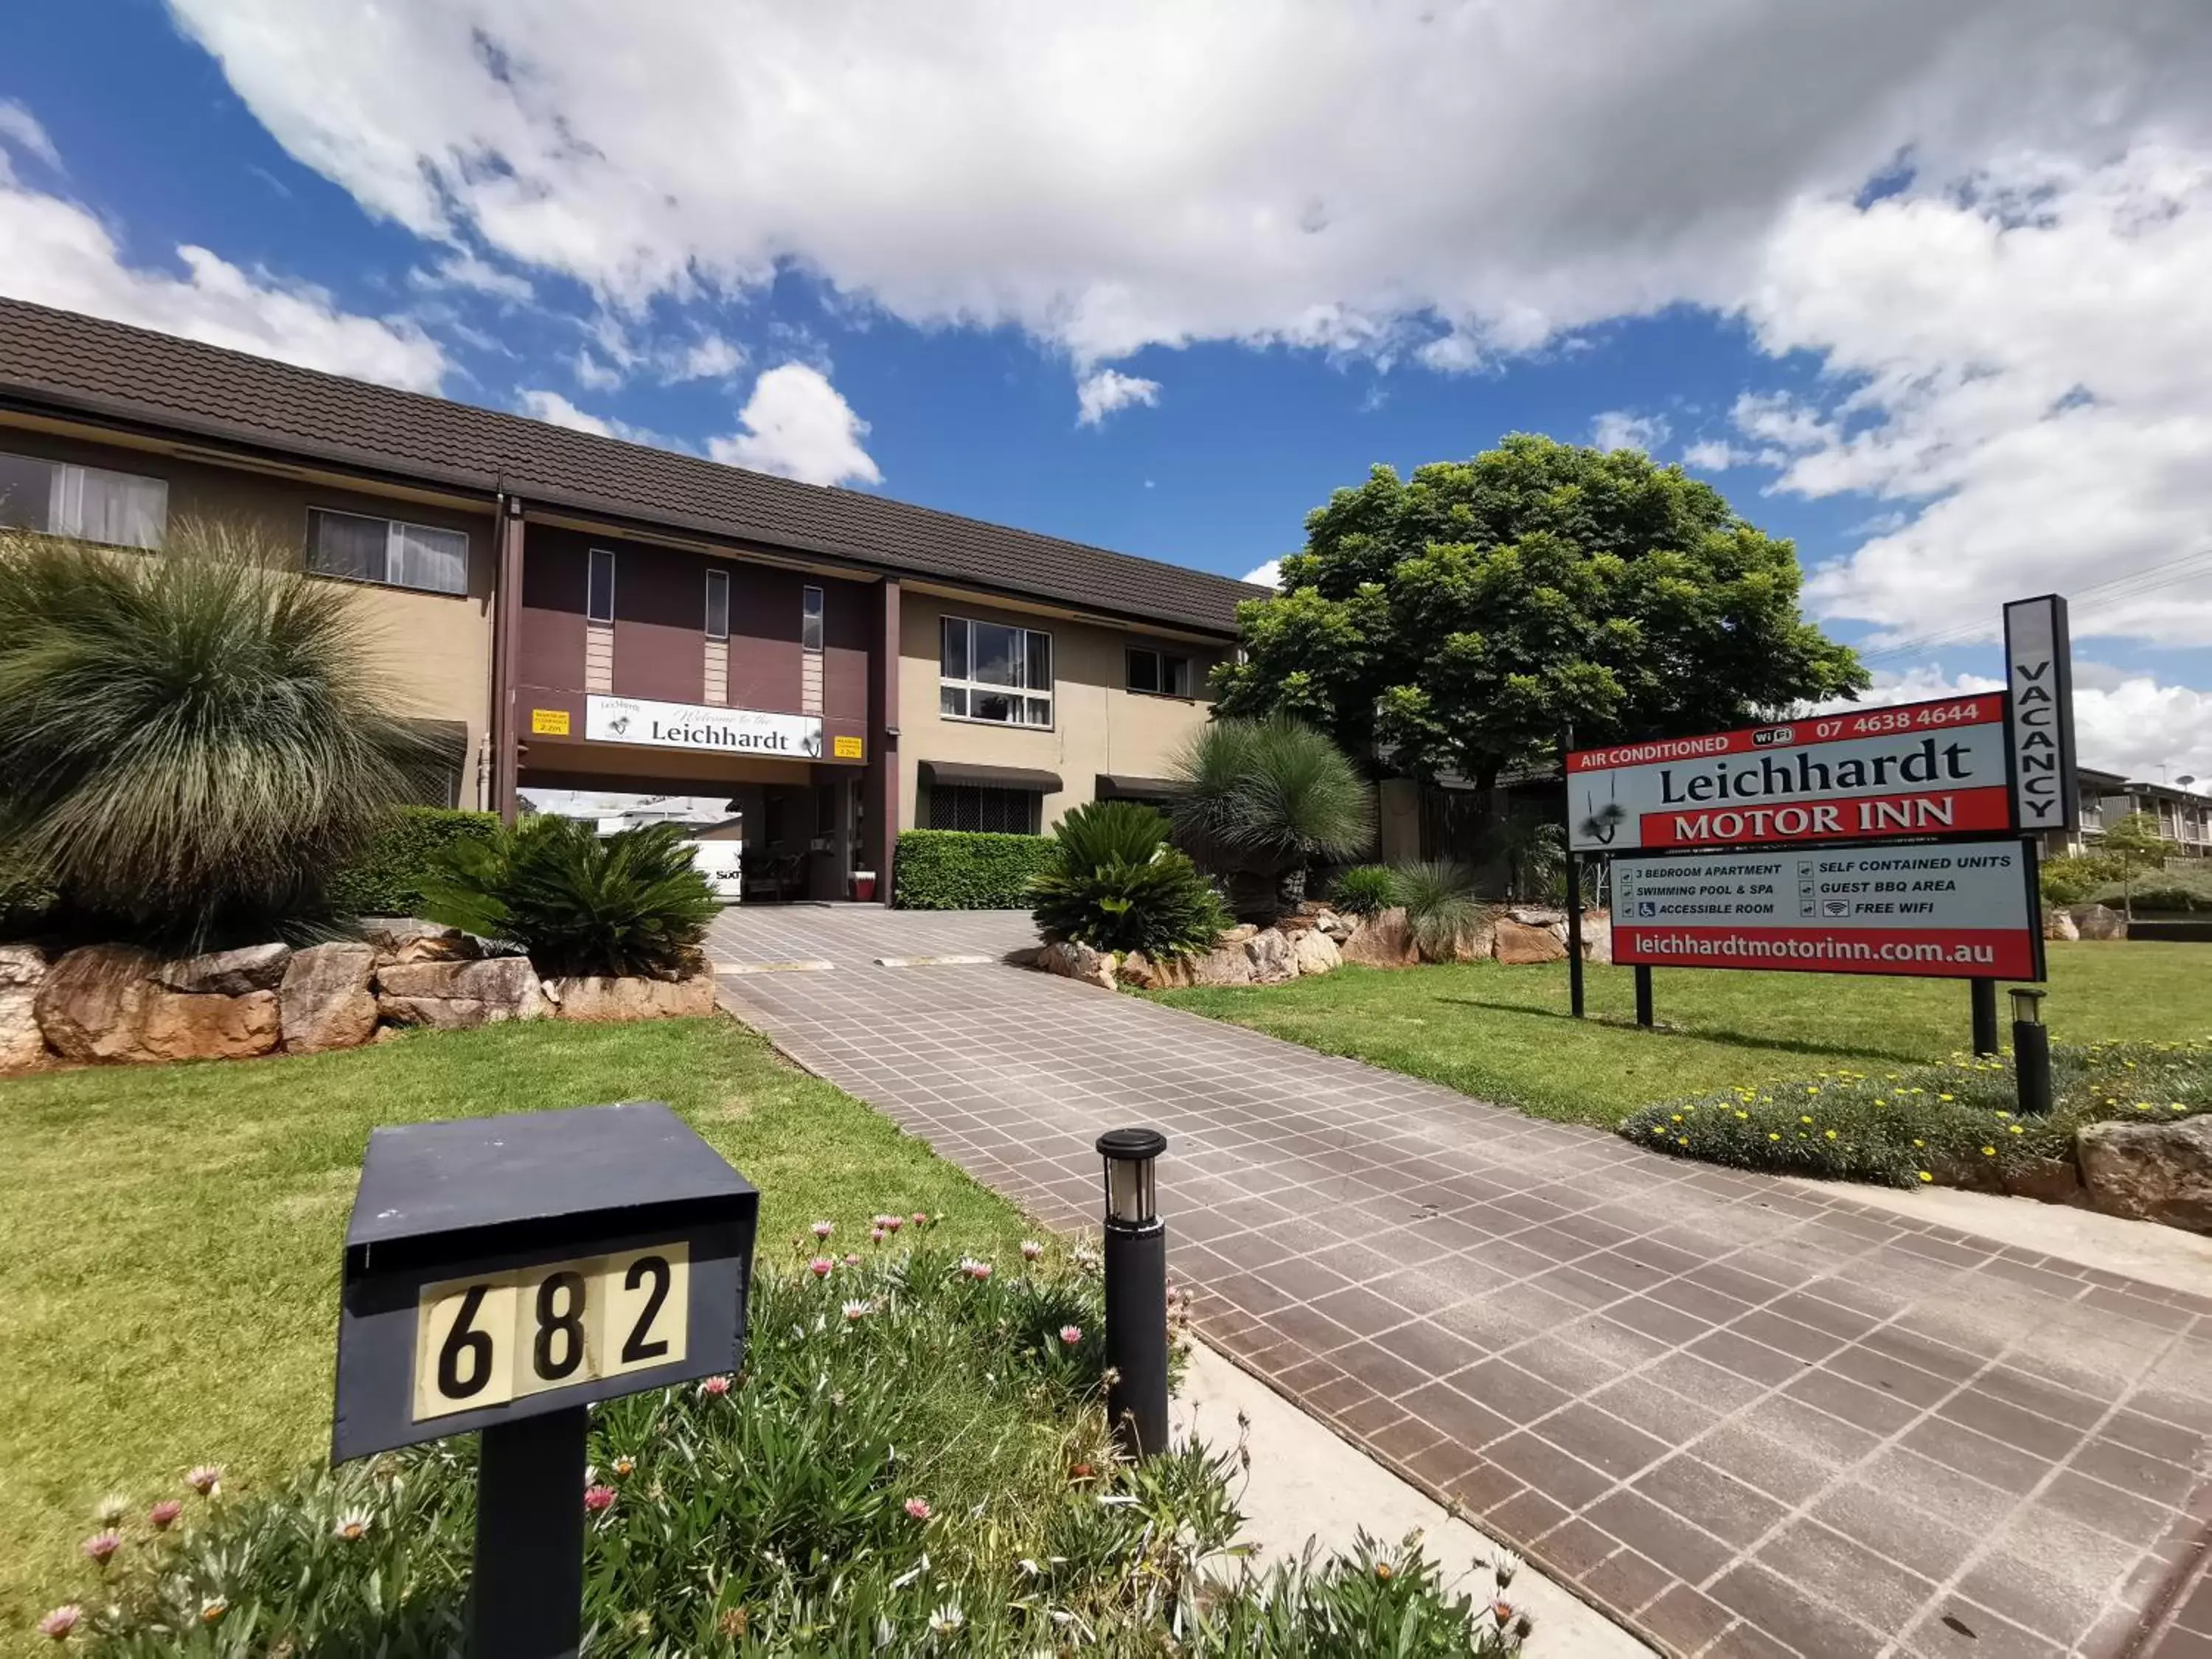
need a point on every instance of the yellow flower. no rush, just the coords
(1881, 1102)
(2177, 1107)
(1989, 1152)
(1744, 1114)
(2143, 1105)
(2004, 1113)
(1812, 1088)
(1802, 1119)
(2017, 1130)
(1682, 1140)
(1920, 1143)
(1942, 1097)
(1678, 1117)
(1831, 1134)
(1659, 1129)
(1924, 1176)
(1774, 1137)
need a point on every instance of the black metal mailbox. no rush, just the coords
(499, 1269)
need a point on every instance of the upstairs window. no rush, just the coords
(599, 595)
(117, 509)
(810, 620)
(991, 671)
(718, 604)
(386, 551)
(1158, 673)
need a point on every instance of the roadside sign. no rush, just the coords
(1948, 910)
(2039, 695)
(1923, 768)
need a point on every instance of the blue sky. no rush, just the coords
(1900, 303)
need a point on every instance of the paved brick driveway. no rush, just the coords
(1750, 1419)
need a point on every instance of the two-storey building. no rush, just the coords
(572, 611)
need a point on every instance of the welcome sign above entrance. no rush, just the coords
(699, 725)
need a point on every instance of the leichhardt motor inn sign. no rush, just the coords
(697, 725)
(1999, 763)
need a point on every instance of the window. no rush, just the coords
(810, 620)
(387, 551)
(599, 594)
(990, 671)
(978, 806)
(718, 604)
(1158, 672)
(118, 510)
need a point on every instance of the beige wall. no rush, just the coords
(434, 649)
(1097, 726)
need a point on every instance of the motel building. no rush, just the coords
(569, 612)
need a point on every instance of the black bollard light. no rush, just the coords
(2031, 1049)
(1136, 1291)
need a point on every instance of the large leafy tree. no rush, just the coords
(1457, 621)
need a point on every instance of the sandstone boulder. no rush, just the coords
(326, 1002)
(603, 1000)
(1537, 915)
(2059, 924)
(2098, 921)
(408, 939)
(2053, 1180)
(453, 995)
(181, 1025)
(1384, 940)
(227, 973)
(1071, 960)
(1225, 965)
(1478, 940)
(1272, 961)
(92, 1004)
(1597, 937)
(1521, 944)
(1239, 933)
(23, 970)
(1314, 952)
(2150, 1171)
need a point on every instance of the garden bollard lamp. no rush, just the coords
(2031, 1049)
(1136, 1291)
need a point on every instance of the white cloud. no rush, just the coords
(22, 129)
(54, 252)
(464, 269)
(1269, 574)
(1100, 394)
(1624, 429)
(551, 407)
(709, 357)
(797, 424)
(1715, 455)
(594, 375)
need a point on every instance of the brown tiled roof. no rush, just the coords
(60, 359)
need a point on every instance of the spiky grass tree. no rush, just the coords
(190, 741)
(1268, 798)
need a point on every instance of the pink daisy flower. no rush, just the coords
(61, 1621)
(821, 1265)
(916, 1508)
(891, 1224)
(1071, 1334)
(823, 1229)
(101, 1545)
(164, 1514)
(921, 1217)
(205, 1478)
(597, 1498)
(1031, 1250)
(715, 1386)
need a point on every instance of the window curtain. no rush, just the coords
(421, 557)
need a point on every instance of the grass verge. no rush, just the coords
(1505, 1034)
(171, 1246)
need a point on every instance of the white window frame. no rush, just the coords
(812, 609)
(713, 578)
(613, 567)
(67, 484)
(468, 551)
(1023, 694)
(1160, 660)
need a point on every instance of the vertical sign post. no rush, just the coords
(2040, 714)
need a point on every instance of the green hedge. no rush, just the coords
(962, 870)
(385, 878)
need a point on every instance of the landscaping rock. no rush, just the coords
(326, 1002)
(228, 972)
(1382, 940)
(1239, 933)
(453, 995)
(1597, 937)
(1226, 964)
(1521, 943)
(181, 1025)
(23, 970)
(1478, 942)
(1537, 915)
(1073, 960)
(2051, 1179)
(92, 1003)
(603, 1000)
(408, 939)
(1337, 926)
(2058, 924)
(1314, 952)
(2097, 921)
(1270, 952)
(2150, 1171)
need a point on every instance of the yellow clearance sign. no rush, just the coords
(845, 749)
(549, 722)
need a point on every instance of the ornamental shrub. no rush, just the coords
(915, 1461)
(1267, 798)
(191, 742)
(2070, 877)
(1955, 1124)
(967, 870)
(1442, 905)
(1113, 883)
(387, 877)
(1364, 890)
(580, 902)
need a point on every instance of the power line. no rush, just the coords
(2131, 586)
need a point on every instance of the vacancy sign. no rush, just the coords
(1959, 910)
(1917, 769)
(2039, 681)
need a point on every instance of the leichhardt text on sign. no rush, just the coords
(696, 725)
(1924, 768)
(1959, 909)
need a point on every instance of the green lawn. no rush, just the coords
(1505, 1034)
(171, 1237)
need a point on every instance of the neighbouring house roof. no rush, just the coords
(61, 360)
